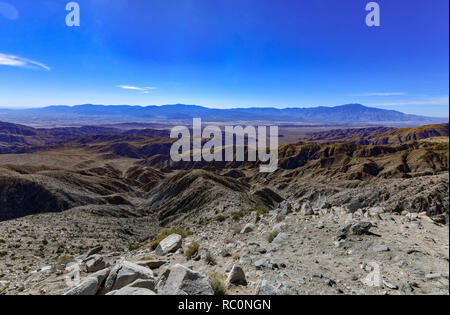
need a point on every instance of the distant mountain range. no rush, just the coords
(351, 113)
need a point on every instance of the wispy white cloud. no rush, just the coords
(444, 100)
(145, 90)
(16, 61)
(380, 94)
(8, 11)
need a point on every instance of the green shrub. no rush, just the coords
(218, 286)
(238, 215)
(261, 210)
(271, 236)
(191, 250)
(220, 218)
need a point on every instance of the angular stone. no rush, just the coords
(279, 227)
(380, 248)
(360, 228)
(125, 273)
(132, 291)
(94, 251)
(261, 263)
(169, 245)
(152, 264)
(280, 238)
(94, 263)
(90, 285)
(248, 228)
(307, 209)
(183, 281)
(265, 288)
(237, 276)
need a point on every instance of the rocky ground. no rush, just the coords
(295, 249)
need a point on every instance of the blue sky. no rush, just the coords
(226, 53)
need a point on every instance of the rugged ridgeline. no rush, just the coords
(15, 138)
(117, 189)
(134, 170)
(379, 135)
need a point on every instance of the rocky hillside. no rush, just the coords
(379, 135)
(297, 248)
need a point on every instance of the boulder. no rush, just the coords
(169, 245)
(307, 209)
(261, 263)
(90, 285)
(380, 248)
(248, 228)
(285, 207)
(237, 276)
(152, 264)
(357, 228)
(94, 263)
(126, 273)
(280, 238)
(132, 291)
(94, 251)
(360, 228)
(265, 288)
(279, 227)
(183, 281)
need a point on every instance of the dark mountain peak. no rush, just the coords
(352, 106)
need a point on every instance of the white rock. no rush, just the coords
(183, 281)
(132, 291)
(280, 238)
(90, 285)
(169, 245)
(125, 273)
(248, 228)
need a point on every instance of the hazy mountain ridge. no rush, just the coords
(344, 113)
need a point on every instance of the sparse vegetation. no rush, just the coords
(209, 259)
(272, 236)
(238, 215)
(192, 250)
(218, 286)
(220, 218)
(135, 246)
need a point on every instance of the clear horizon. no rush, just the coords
(226, 54)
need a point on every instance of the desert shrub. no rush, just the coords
(238, 215)
(166, 232)
(44, 242)
(271, 236)
(220, 218)
(218, 286)
(135, 246)
(260, 210)
(209, 259)
(191, 250)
